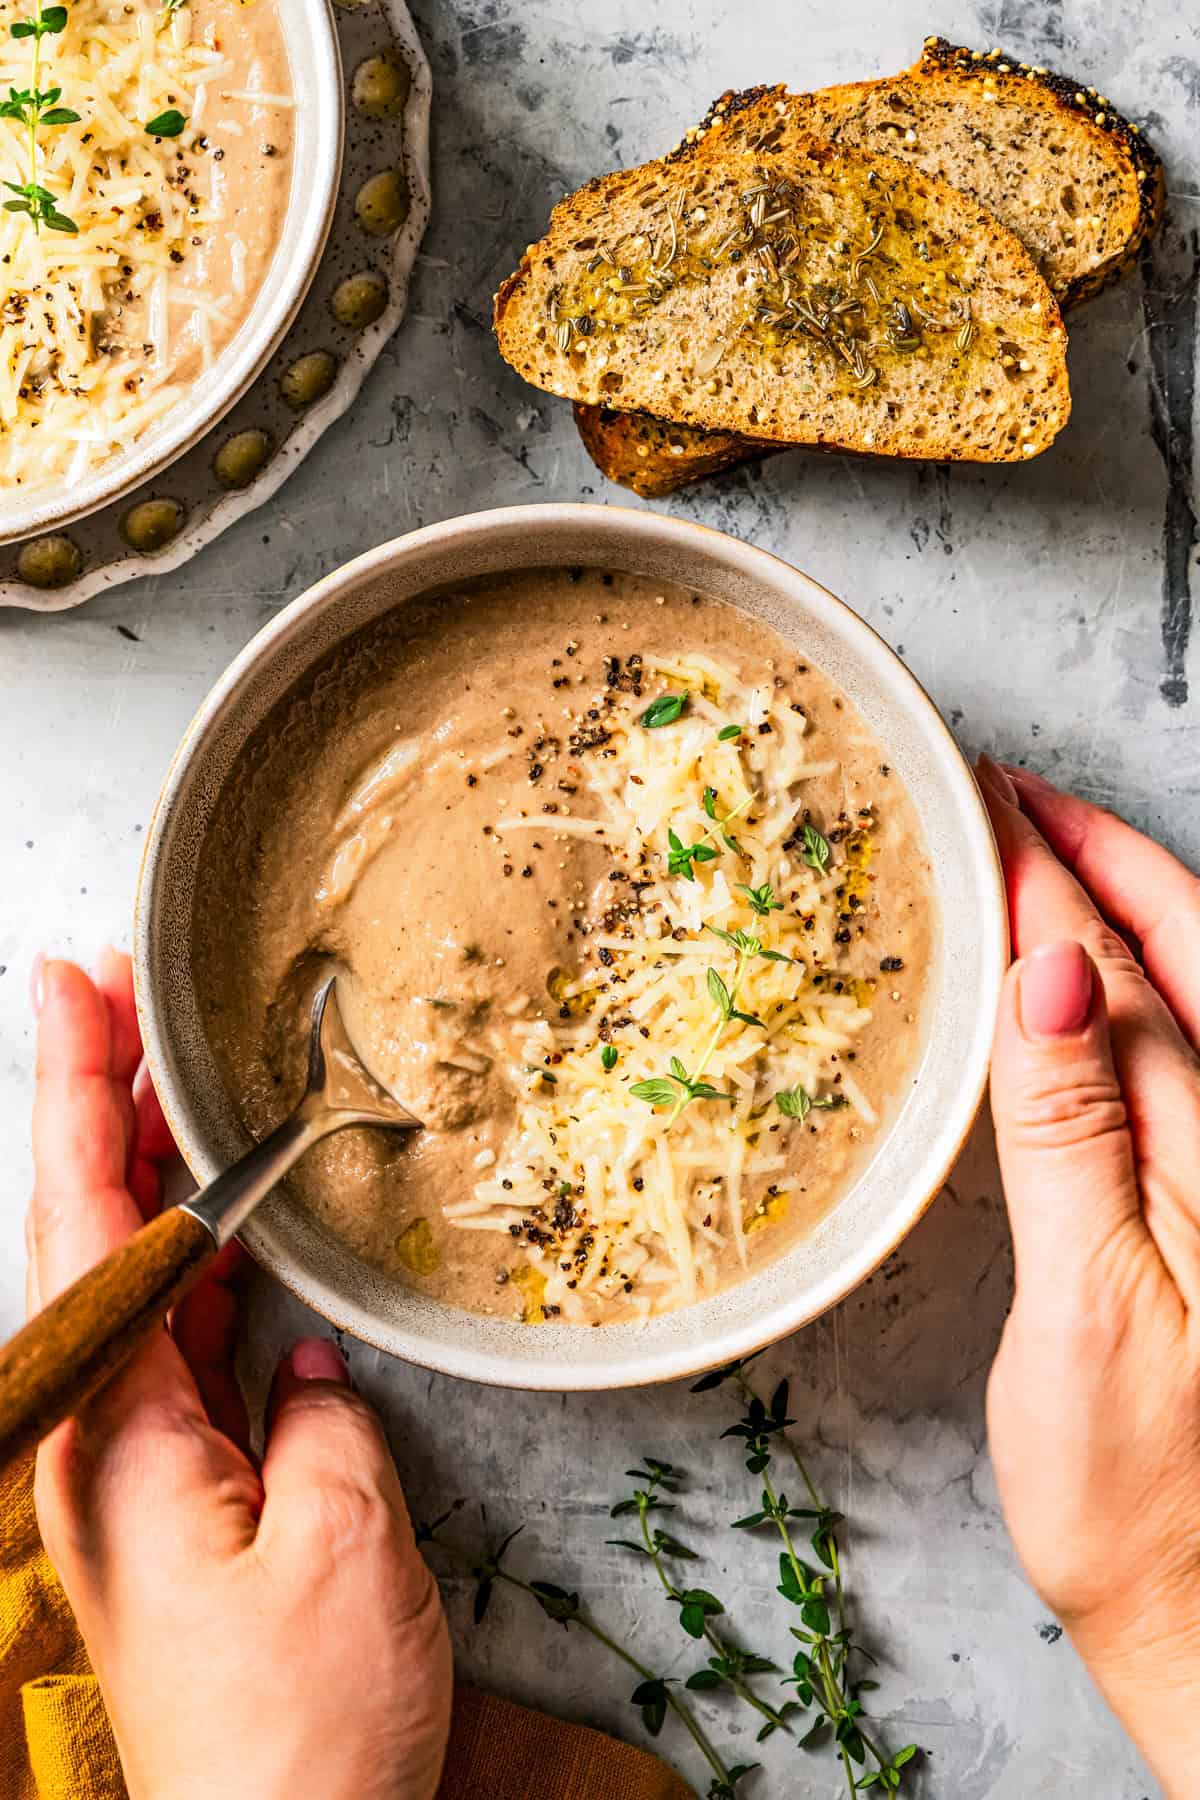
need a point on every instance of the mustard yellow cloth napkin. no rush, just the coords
(55, 1741)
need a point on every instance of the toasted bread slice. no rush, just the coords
(837, 297)
(654, 457)
(1074, 180)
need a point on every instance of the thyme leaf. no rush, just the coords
(681, 858)
(166, 124)
(762, 899)
(664, 711)
(816, 852)
(797, 1103)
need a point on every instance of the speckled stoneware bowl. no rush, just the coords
(909, 1165)
(316, 71)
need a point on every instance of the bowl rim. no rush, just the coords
(672, 1362)
(307, 224)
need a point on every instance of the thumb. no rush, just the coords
(327, 1471)
(1065, 1150)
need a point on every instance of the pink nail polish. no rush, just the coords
(36, 983)
(1057, 989)
(316, 1359)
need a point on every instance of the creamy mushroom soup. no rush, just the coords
(628, 906)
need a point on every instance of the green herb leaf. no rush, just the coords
(762, 899)
(728, 731)
(58, 115)
(704, 1679)
(651, 1696)
(655, 1093)
(701, 1090)
(167, 124)
(664, 711)
(556, 1602)
(719, 993)
(794, 1103)
(608, 1056)
(816, 851)
(710, 802)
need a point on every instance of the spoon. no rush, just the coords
(76, 1343)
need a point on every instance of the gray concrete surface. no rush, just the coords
(1047, 607)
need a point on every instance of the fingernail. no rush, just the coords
(316, 1359)
(1057, 988)
(993, 776)
(37, 983)
(1030, 778)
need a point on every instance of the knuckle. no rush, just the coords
(349, 1516)
(1067, 1106)
(1108, 949)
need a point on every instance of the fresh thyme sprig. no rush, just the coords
(677, 1089)
(823, 1668)
(729, 1665)
(721, 825)
(653, 1696)
(680, 858)
(33, 108)
(762, 899)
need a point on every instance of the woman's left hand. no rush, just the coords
(267, 1632)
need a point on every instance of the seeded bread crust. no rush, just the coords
(654, 457)
(715, 346)
(970, 89)
(1062, 117)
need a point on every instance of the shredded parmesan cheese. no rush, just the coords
(613, 1197)
(95, 327)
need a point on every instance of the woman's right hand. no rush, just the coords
(269, 1632)
(1094, 1400)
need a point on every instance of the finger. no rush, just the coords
(1138, 884)
(1066, 1153)
(114, 979)
(151, 1131)
(205, 1329)
(82, 1120)
(327, 1472)
(1155, 1067)
(82, 1210)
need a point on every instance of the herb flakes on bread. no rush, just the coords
(822, 295)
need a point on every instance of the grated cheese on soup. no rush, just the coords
(102, 331)
(644, 1196)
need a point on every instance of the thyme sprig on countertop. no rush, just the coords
(654, 1696)
(729, 1665)
(823, 1670)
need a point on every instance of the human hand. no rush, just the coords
(266, 1634)
(1094, 1399)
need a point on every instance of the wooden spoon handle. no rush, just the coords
(80, 1340)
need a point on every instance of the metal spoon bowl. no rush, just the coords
(339, 1091)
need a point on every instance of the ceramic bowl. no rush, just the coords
(909, 1165)
(316, 72)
